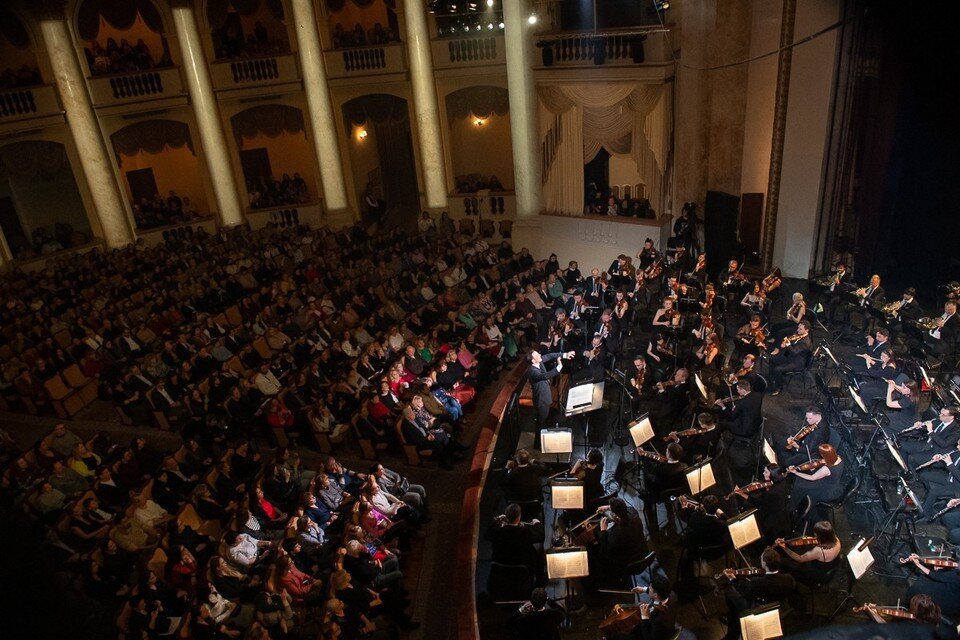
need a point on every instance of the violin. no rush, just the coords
(935, 563)
(760, 338)
(789, 340)
(655, 269)
(625, 618)
(800, 435)
(652, 455)
(701, 262)
(751, 488)
(689, 503)
(748, 572)
(667, 383)
(813, 465)
(890, 612)
(638, 381)
(802, 541)
(686, 433)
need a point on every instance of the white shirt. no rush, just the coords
(936, 332)
(245, 552)
(267, 383)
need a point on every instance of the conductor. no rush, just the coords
(540, 378)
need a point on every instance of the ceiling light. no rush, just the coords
(489, 3)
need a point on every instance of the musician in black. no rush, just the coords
(747, 338)
(742, 418)
(901, 404)
(659, 355)
(576, 309)
(590, 471)
(662, 480)
(937, 436)
(621, 537)
(869, 296)
(671, 401)
(941, 480)
(943, 586)
(839, 284)
(701, 444)
(619, 272)
(792, 319)
(907, 311)
(640, 381)
(866, 360)
(773, 517)
(659, 616)
(524, 478)
(593, 363)
(812, 564)
(791, 355)
(823, 484)
(515, 542)
(747, 593)
(876, 382)
(730, 276)
(538, 619)
(648, 255)
(794, 450)
(943, 338)
(705, 525)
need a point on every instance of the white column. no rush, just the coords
(207, 112)
(325, 139)
(94, 157)
(425, 104)
(518, 38)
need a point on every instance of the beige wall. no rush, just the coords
(485, 150)
(623, 171)
(41, 203)
(808, 115)
(173, 169)
(761, 96)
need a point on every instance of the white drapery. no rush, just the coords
(629, 119)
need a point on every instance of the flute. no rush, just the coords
(941, 512)
(935, 459)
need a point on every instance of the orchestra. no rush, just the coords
(659, 323)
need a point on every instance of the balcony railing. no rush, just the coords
(28, 103)
(358, 61)
(139, 86)
(480, 50)
(614, 48)
(235, 74)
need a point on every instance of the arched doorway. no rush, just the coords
(381, 155)
(277, 160)
(161, 171)
(41, 210)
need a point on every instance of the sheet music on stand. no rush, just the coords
(769, 452)
(567, 563)
(860, 558)
(760, 624)
(701, 387)
(744, 529)
(829, 353)
(584, 398)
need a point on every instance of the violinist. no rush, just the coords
(747, 371)
(707, 326)
(815, 562)
(810, 436)
(823, 484)
(773, 281)
(741, 595)
(795, 314)
(742, 418)
(539, 618)
(699, 272)
(700, 441)
(668, 406)
(523, 479)
(594, 361)
(593, 288)
(640, 381)
(707, 356)
(622, 541)
(682, 261)
(619, 271)
(572, 276)
(608, 328)
(754, 301)
(663, 478)
(772, 515)
(576, 309)
(658, 615)
(513, 541)
(705, 526)
(666, 317)
(707, 300)
(922, 610)
(751, 337)
(791, 355)
(621, 307)
(942, 586)
(659, 353)
(648, 255)
(731, 276)
(590, 471)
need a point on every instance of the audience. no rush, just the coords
(124, 57)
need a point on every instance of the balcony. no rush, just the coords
(24, 106)
(255, 72)
(365, 61)
(614, 48)
(139, 86)
(468, 52)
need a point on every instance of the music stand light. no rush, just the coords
(556, 441)
(769, 453)
(641, 430)
(569, 562)
(761, 623)
(856, 398)
(701, 386)
(744, 529)
(566, 494)
(860, 557)
(700, 478)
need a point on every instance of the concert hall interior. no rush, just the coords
(479, 319)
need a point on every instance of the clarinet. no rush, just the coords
(941, 512)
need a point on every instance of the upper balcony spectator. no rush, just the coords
(248, 28)
(122, 37)
(18, 64)
(374, 23)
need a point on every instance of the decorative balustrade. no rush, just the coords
(604, 48)
(19, 102)
(458, 52)
(231, 75)
(27, 103)
(135, 87)
(387, 58)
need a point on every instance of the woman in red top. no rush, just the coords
(180, 572)
(303, 589)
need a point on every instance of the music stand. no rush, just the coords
(641, 430)
(567, 562)
(557, 442)
(582, 400)
(858, 400)
(859, 559)
(566, 494)
(769, 452)
(701, 477)
(700, 385)
(744, 530)
(761, 623)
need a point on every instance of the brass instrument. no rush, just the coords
(927, 323)
(861, 292)
(892, 309)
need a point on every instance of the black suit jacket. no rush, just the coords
(945, 440)
(540, 377)
(515, 544)
(745, 417)
(524, 483)
(624, 543)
